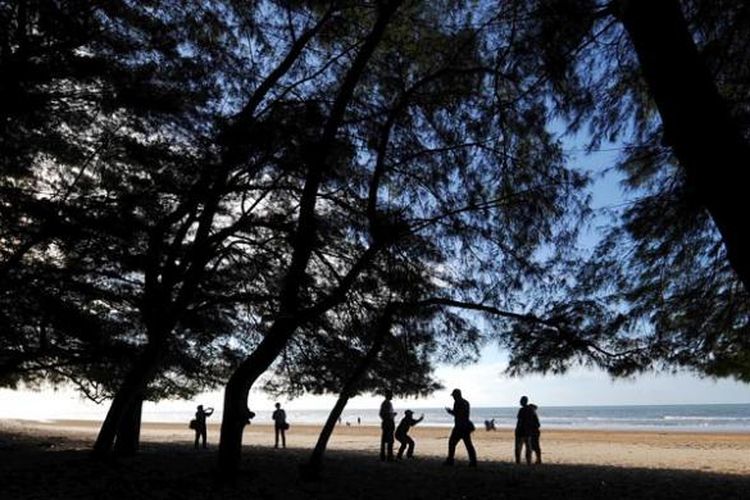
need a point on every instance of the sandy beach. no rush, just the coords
(714, 452)
(601, 464)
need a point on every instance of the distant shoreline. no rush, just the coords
(86, 423)
(715, 418)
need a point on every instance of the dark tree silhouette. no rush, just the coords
(698, 126)
(436, 178)
(667, 79)
(108, 107)
(191, 191)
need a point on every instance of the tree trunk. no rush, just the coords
(129, 433)
(235, 412)
(311, 470)
(127, 395)
(233, 422)
(238, 388)
(706, 140)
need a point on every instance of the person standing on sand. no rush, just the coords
(279, 425)
(535, 433)
(200, 424)
(388, 426)
(402, 434)
(462, 429)
(524, 426)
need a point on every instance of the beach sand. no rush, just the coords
(51, 460)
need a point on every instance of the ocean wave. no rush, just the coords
(691, 418)
(619, 419)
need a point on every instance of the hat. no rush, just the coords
(408, 412)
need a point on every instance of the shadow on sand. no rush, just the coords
(63, 469)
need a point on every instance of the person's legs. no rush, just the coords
(470, 449)
(203, 436)
(452, 441)
(384, 441)
(283, 438)
(276, 431)
(388, 430)
(519, 444)
(527, 444)
(535, 446)
(402, 447)
(197, 437)
(410, 442)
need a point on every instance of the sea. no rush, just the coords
(687, 417)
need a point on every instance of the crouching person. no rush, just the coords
(402, 434)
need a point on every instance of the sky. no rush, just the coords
(483, 383)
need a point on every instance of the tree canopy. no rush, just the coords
(662, 283)
(343, 193)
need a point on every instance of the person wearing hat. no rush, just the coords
(402, 434)
(387, 425)
(462, 429)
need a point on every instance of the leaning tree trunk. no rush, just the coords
(311, 470)
(698, 126)
(129, 433)
(238, 388)
(235, 411)
(129, 394)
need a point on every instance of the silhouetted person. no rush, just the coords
(489, 425)
(524, 426)
(359, 421)
(402, 433)
(200, 424)
(388, 426)
(462, 429)
(535, 433)
(280, 426)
